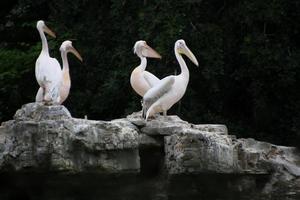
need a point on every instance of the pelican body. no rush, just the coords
(139, 83)
(65, 48)
(65, 85)
(47, 69)
(170, 89)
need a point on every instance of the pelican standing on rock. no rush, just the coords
(47, 70)
(170, 89)
(140, 79)
(65, 48)
(64, 90)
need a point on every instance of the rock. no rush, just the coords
(195, 151)
(38, 112)
(160, 125)
(47, 138)
(216, 128)
(167, 153)
(255, 154)
(199, 151)
(136, 119)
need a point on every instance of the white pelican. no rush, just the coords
(170, 89)
(64, 90)
(47, 69)
(137, 79)
(65, 48)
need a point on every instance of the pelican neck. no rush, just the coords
(65, 60)
(143, 64)
(184, 70)
(45, 49)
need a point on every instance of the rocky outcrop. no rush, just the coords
(47, 139)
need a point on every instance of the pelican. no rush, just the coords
(139, 83)
(64, 90)
(65, 48)
(47, 69)
(170, 89)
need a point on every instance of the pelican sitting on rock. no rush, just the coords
(170, 89)
(140, 79)
(64, 90)
(47, 70)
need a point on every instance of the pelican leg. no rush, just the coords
(151, 111)
(47, 91)
(165, 113)
(47, 95)
(143, 110)
(44, 94)
(148, 114)
(39, 95)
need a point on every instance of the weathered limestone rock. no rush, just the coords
(201, 152)
(47, 138)
(38, 112)
(215, 128)
(195, 151)
(179, 154)
(208, 149)
(160, 125)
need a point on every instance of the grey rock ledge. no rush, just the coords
(47, 138)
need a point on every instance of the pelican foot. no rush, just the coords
(153, 117)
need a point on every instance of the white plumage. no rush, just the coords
(65, 48)
(65, 85)
(47, 70)
(139, 83)
(170, 89)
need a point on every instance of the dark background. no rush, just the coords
(248, 52)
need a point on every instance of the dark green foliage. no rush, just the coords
(248, 52)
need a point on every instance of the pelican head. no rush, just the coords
(141, 49)
(67, 46)
(40, 25)
(181, 48)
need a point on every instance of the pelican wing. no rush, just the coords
(49, 69)
(150, 79)
(49, 76)
(156, 92)
(55, 74)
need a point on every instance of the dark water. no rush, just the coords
(37, 186)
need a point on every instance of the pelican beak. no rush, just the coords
(186, 51)
(49, 32)
(75, 52)
(149, 52)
